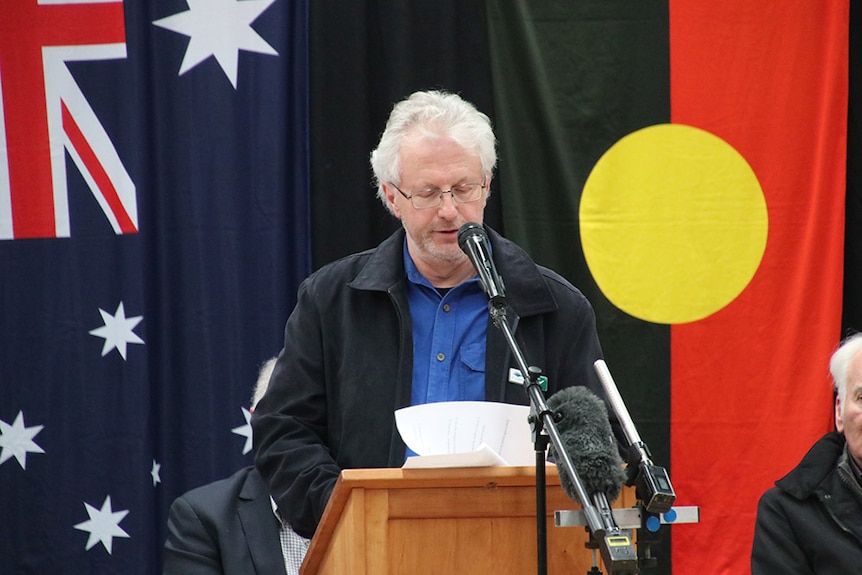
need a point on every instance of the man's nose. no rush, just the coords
(447, 203)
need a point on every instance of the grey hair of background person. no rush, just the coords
(839, 365)
(262, 381)
(438, 113)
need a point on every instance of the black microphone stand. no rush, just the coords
(616, 557)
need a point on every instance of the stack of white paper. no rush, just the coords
(466, 434)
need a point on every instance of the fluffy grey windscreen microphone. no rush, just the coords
(586, 435)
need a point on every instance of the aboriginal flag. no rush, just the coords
(686, 168)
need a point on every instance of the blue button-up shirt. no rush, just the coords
(449, 332)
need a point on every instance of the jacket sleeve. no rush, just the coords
(189, 548)
(579, 348)
(290, 422)
(775, 548)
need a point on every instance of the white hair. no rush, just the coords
(839, 364)
(262, 381)
(439, 114)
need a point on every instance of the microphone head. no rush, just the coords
(469, 230)
(585, 431)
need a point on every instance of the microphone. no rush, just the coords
(652, 483)
(474, 242)
(582, 420)
(586, 436)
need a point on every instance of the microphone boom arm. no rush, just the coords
(540, 405)
(615, 545)
(616, 548)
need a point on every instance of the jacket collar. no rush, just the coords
(253, 486)
(526, 290)
(384, 267)
(817, 464)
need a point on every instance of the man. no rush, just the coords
(811, 521)
(231, 526)
(407, 322)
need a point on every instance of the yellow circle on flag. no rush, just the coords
(673, 223)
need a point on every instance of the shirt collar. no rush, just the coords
(275, 510)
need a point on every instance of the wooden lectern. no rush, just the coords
(443, 522)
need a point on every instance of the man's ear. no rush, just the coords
(389, 193)
(839, 421)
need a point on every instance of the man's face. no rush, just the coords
(851, 421)
(432, 233)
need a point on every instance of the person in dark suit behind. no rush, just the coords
(231, 525)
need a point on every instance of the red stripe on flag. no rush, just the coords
(749, 385)
(97, 172)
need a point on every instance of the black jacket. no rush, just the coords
(347, 366)
(224, 527)
(811, 521)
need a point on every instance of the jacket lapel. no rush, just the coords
(262, 537)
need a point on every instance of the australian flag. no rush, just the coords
(153, 230)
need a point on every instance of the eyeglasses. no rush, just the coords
(461, 194)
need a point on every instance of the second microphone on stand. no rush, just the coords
(582, 419)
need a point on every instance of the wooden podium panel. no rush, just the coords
(444, 521)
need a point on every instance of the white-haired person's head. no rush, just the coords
(840, 366)
(435, 114)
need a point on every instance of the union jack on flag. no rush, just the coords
(45, 112)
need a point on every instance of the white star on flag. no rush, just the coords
(245, 430)
(16, 440)
(219, 28)
(103, 525)
(155, 472)
(117, 330)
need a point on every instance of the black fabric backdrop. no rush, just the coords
(364, 57)
(852, 318)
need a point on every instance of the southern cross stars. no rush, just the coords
(154, 472)
(117, 331)
(103, 525)
(219, 28)
(245, 431)
(16, 440)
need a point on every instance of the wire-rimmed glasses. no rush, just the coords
(461, 194)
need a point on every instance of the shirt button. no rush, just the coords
(441, 356)
(446, 307)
